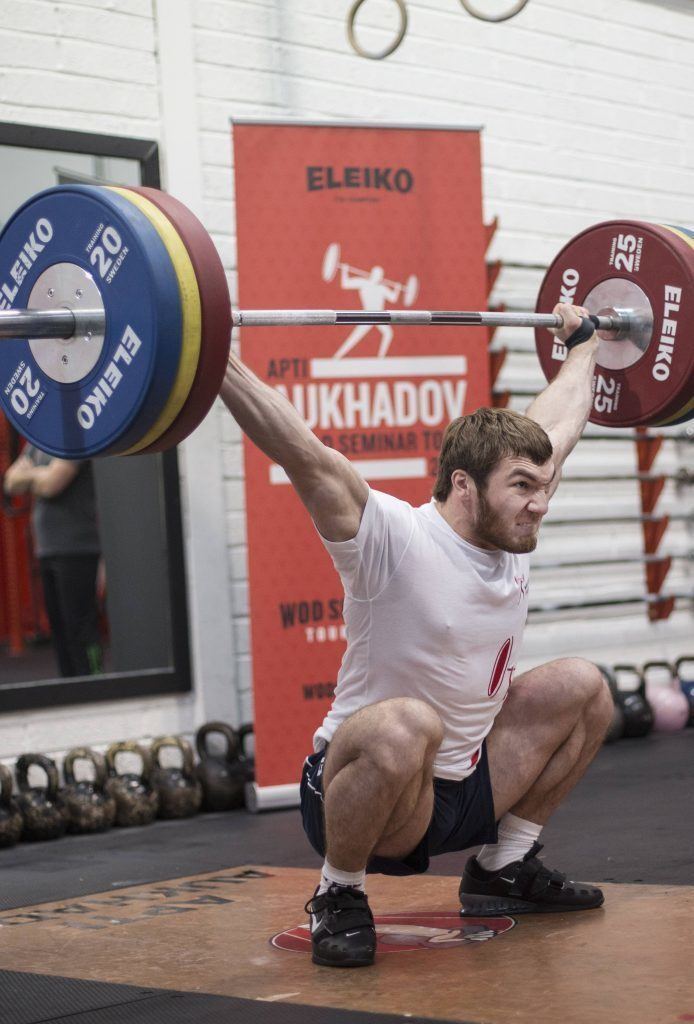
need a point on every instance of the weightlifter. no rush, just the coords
(431, 745)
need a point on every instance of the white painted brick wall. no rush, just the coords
(86, 66)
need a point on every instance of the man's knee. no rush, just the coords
(587, 683)
(406, 740)
(599, 703)
(412, 719)
(400, 736)
(590, 691)
(396, 721)
(573, 686)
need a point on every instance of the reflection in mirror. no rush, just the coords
(87, 586)
(28, 171)
(63, 548)
(136, 559)
(85, 575)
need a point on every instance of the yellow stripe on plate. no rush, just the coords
(191, 317)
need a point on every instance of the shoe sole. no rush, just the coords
(341, 963)
(485, 906)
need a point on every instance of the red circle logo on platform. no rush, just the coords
(400, 933)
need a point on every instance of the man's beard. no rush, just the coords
(491, 528)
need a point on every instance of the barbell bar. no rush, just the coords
(123, 301)
(66, 323)
(413, 317)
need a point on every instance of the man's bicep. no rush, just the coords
(334, 494)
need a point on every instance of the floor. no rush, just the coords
(176, 921)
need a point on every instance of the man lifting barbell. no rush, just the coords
(424, 691)
(430, 745)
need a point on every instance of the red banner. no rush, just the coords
(339, 217)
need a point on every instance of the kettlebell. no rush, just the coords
(670, 706)
(246, 760)
(10, 816)
(136, 801)
(242, 770)
(684, 667)
(43, 810)
(90, 809)
(638, 713)
(221, 790)
(180, 793)
(616, 727)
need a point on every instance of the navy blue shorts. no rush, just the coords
(463, 817)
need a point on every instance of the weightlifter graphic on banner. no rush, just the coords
(375, 290)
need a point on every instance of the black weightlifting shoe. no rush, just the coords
(523, 887)
(342, 928)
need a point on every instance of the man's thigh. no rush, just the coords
(542, 708)
(382, 736)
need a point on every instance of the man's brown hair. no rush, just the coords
(477, 443)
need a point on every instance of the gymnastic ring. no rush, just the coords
(358, 48)
(515, 9)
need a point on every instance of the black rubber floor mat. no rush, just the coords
(34, 998)
(40, 999)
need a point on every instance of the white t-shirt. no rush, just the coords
(427, 615)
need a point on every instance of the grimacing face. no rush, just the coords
(511, 505)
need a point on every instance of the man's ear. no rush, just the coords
(462, 484)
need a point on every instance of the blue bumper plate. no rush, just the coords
(116, 402)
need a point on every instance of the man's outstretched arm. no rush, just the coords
(327, 483)
(564, 406)
(23, 477)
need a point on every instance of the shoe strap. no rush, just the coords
(345, 908)
(533, 877)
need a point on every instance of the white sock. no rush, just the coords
(516, 836)
(331, 876)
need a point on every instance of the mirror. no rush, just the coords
(92, 587)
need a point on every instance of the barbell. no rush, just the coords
(116, 322)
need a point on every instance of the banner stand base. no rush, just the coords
(271, 798)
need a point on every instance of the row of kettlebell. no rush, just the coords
(125, 798)
(658, 696)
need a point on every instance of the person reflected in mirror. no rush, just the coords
(66, 543)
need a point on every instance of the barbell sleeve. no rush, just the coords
(50, 323)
